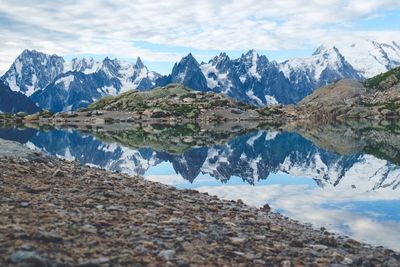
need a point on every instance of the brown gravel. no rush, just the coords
(58, 213)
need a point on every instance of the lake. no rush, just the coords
(345, 178)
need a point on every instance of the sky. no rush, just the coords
(161, 32)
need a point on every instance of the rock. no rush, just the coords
(237, 240)
(94, 262)
(351, 243)
(296, 243)
(236, 111)
(266, 208)
(59, 173)
(48, 237)
(89, 229)
(24, 204)
(347, 261)
(167, 254)
(29, 258)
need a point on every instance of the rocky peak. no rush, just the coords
(139, 64)
(111, 67)
(32, 71)
(86, 65)
(222, 62)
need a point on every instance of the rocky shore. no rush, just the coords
(59, 213)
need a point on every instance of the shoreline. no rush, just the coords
(62, 213)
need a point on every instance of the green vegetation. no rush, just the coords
(172, 101)
(268, 111)
(384, 81)
(138, 101)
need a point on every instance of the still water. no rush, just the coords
(340, 179)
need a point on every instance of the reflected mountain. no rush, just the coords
(334, 156)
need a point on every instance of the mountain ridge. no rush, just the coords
(251, 78)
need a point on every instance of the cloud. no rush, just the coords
(334, 209)
(112, 27)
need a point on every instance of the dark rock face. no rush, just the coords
(13, 102)
(188, 73)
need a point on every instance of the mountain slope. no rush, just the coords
(377, 97)
(254, 79)
(14, 102)
(32, 71)
(90, 81)
(177, 101)
(370, 57)
(325, 66)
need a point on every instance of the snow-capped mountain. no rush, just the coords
(32, 71)
(254, 79)
(14, 102)
(262, 79)
(89, 82)
(186, 72)
(85, 65)
(325, 66)
(370, 57)
(55, 84)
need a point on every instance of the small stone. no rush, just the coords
(296, 244)
(89, 229)
(347, 261)
(49, 236)
(286, 263)
(30, 258)
(94, 262)
(266, 208)
(351, 243)
(24, 204)
(237, 240)
(167, 254)
(58, 173)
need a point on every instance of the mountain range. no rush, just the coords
(252, 157)
(55, 84)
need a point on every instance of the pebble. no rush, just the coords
(109, 219)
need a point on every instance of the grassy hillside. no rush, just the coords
(176, 100)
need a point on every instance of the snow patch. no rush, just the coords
(67, 80)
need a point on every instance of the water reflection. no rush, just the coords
(347, 182)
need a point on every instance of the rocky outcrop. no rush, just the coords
(176, 101)
(376, 98)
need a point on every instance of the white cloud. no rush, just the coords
(111, 27)
(329, 208)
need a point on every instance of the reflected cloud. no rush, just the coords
(331, 208)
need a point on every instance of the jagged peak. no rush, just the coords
(320, 49)
(189, 59)
(325, 51)
(33, 52)
(139, 63)
(222, 57)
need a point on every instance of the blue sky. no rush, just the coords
(162, 32)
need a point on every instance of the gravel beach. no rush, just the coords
(59, 213)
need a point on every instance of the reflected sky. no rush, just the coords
(355, 195)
